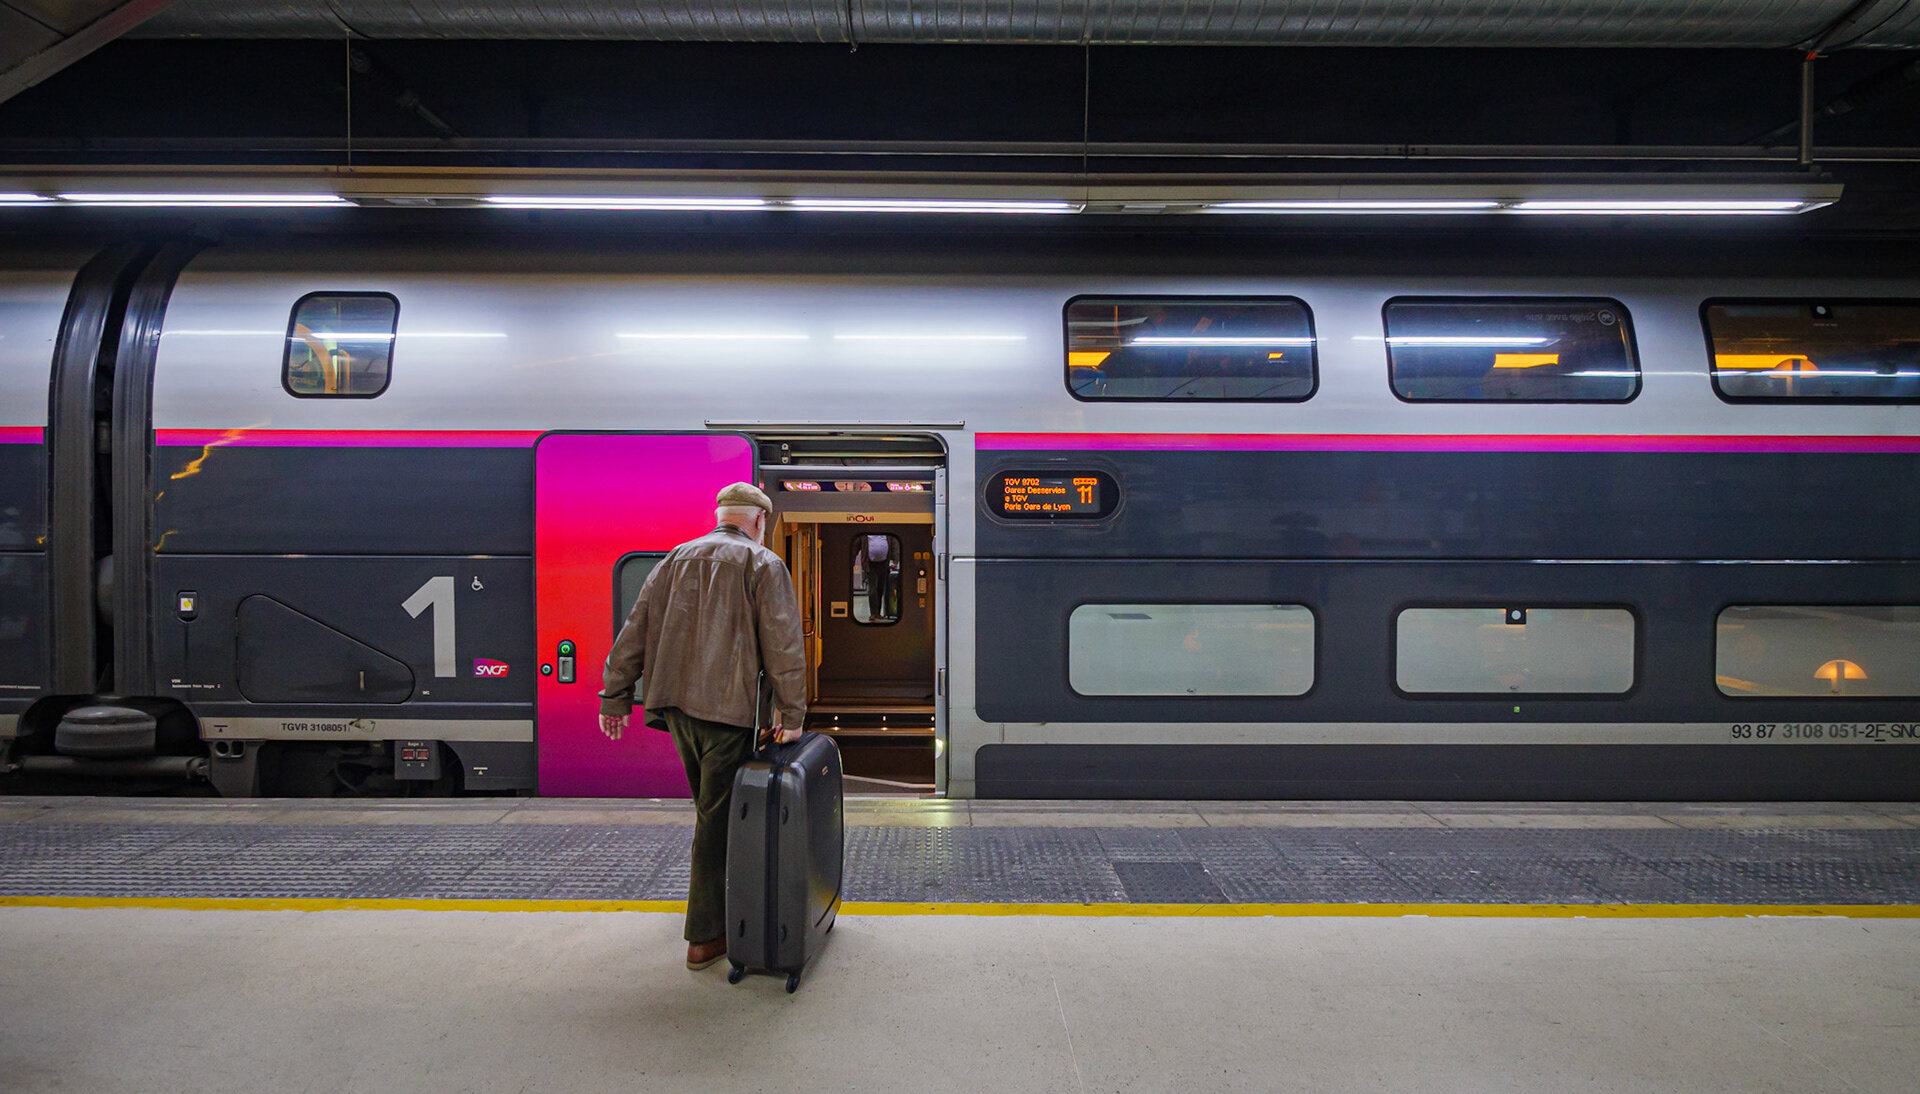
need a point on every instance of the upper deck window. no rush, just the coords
(340, 345)
(1530, 350)
(1180, 348)
(1830, 350)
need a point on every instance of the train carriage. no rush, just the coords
(1068, 519)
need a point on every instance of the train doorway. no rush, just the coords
(860, 521)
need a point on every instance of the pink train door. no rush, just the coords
(606, 507)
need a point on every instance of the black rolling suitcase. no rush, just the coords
(784, 846)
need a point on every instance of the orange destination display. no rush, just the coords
(1044, 495)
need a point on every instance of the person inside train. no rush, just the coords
(713, 615)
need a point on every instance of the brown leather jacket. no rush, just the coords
(711, 615)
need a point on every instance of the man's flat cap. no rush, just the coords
(743, 493)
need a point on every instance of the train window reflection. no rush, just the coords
(1834, 350)
(1181, 348)
(1830, 652)
(1510, 349)
(1514, 651)
(876, 579)
(340, 345)
(1190, 649)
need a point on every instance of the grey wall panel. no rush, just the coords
(362, 598)
(1479, 505)
(239, 499)
(24, 668)
(1024, 606)
(1451, 772)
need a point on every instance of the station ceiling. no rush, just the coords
(1261, 90)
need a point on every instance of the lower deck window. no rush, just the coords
(1190, 649)
(1514, 651)
(1857, 652)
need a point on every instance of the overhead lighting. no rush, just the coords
(709, 336)
(1221, 340)
(23, 199)
(1665, 207)
(929, 337)
(1403, 205)
(662, 204)
(1485, 340)
(208, 201)
(927, 205)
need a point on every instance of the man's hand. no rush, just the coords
(782, 735)
(613, 725)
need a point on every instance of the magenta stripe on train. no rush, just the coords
(1422, 442)
(349, 438)
(21, 434)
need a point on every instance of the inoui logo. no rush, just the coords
(484, 667)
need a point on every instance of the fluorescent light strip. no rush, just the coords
(927, 205)
(702, 336)
(1405, 205)
(661, 204)
(208, 201)
(1454, 340)
(1661, 207)
(23, 199)
(929, 337)
(1200, 340)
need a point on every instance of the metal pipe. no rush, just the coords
(1806, 107)
(184, 767)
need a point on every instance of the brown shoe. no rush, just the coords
(703, 954)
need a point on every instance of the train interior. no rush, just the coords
(857, 520)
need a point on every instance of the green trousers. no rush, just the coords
(712, 752)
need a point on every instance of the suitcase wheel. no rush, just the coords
(793, 982)
(736, 974)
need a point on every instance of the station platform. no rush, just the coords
(517, 945)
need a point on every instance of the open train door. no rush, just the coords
(607, 506)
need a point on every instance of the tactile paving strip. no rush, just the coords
(981, 864)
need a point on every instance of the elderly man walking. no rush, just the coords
(713, 614)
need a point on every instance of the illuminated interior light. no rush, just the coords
(1275, 356)
(1087, 358)
(663, 204)
(23, 199)
(1488, 341)
(906, 487)
(1665, 207)
(1525, 360)
(799, 485)
(1607, 374)
(928, 205)
(1761, 361)
(1401, 205)
(711, 336)
(1837, 670)
(209, 201)
(929, 337)
(1215, 340)
(853, 486)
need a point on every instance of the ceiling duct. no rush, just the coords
(1429, 23)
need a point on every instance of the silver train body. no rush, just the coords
(165, 490)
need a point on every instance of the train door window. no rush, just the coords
(1514, 651)
(1191, 649)
(876, 579)
(1557, 350)
(1829, 652)
(1841, 350)
(629, 576)
(340, 345)
(1190, 348)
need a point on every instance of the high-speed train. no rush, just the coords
(1137, 516)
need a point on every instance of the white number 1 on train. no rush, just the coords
(437, 594)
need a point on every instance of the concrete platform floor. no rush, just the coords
(114, 1000)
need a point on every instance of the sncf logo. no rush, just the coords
(484, 667)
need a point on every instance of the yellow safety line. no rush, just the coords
(863, 907)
